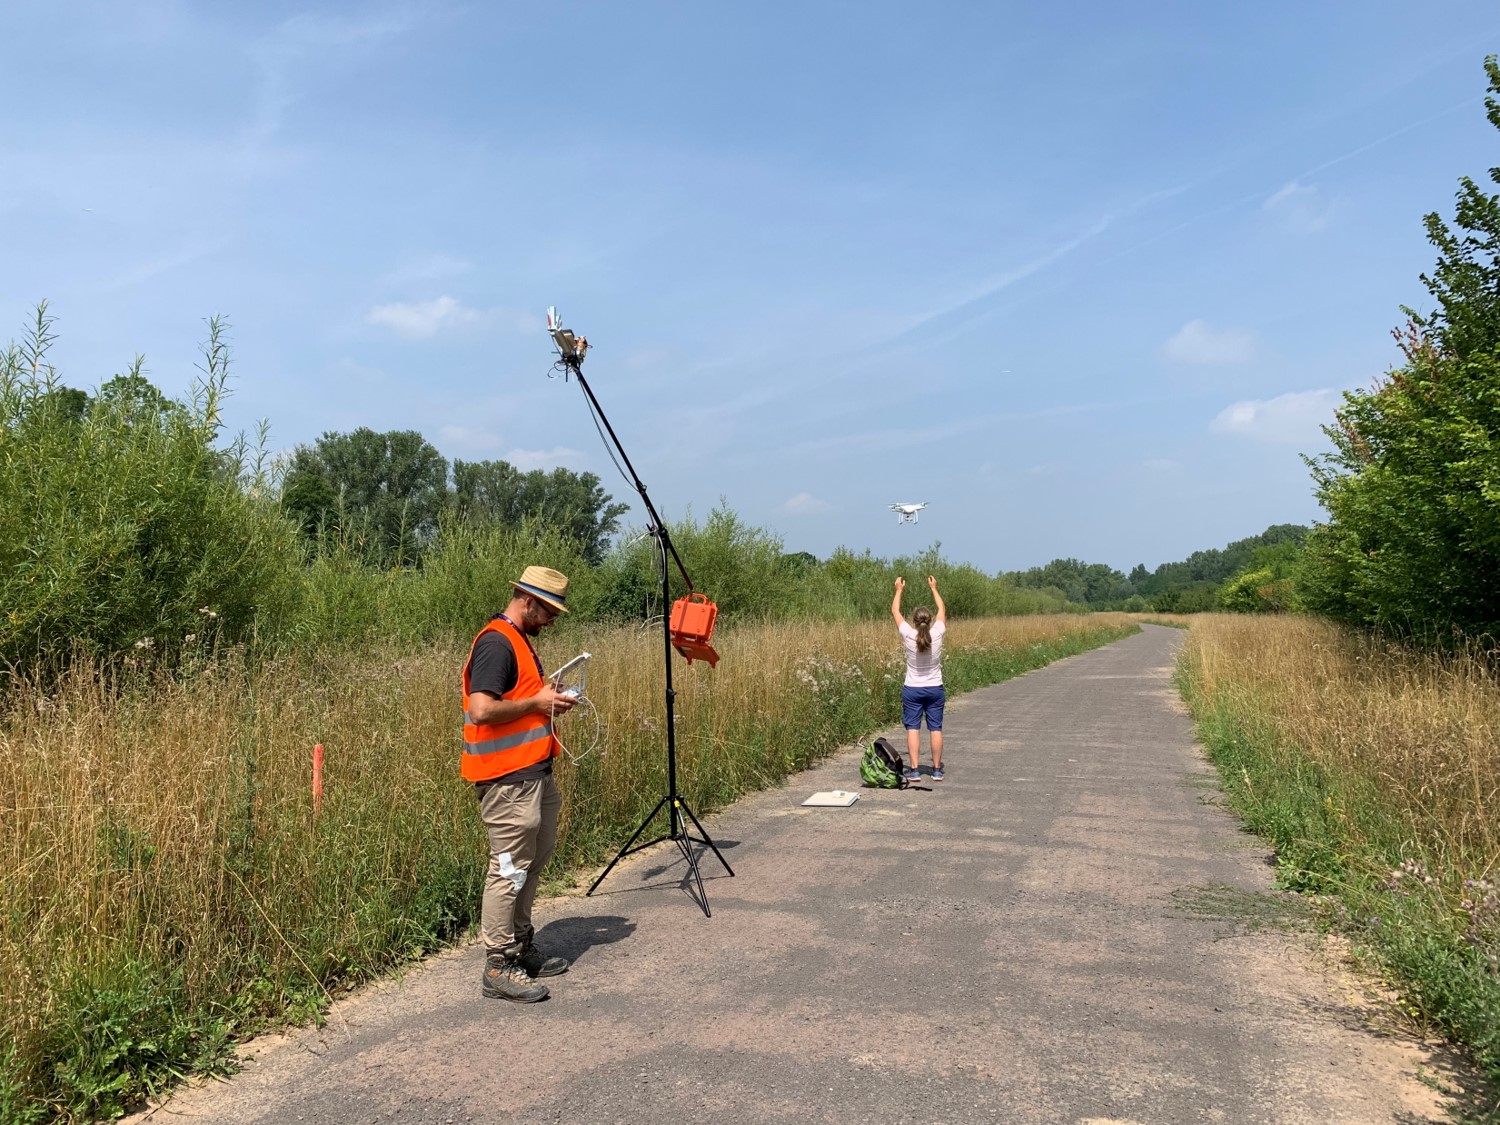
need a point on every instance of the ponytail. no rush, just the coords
(923, 621)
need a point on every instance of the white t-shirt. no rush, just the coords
(924, 669)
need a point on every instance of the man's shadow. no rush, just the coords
(573, 937)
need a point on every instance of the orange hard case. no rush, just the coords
(692, 626)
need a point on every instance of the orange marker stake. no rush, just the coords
(317, 778)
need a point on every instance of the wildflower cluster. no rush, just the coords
(1409, 875)
(893, 668)
(1481, 902)
(822, 673)
(1482, 898)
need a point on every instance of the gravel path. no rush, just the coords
(1067, 929)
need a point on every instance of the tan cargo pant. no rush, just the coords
(521, 819)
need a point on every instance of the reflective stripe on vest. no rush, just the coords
(507, 741)
(495, 749)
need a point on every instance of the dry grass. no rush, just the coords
(158, 834)
(1425, 729)
(1374, 769)
(1175, 620)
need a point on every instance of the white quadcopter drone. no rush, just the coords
(907, 513)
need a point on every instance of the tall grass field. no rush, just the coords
(166, 884)
(1374, 770)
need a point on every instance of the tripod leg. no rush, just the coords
(705, 837)
(623, 852)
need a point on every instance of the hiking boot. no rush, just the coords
(538, 964)
(937, 773)
(505, 979)
(911, 774)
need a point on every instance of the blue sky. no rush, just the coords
(1086, 277)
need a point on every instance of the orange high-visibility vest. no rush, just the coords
(496, 749)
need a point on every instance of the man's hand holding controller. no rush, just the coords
(555, 700)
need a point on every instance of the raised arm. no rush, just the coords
(942, 610)
(896, 602)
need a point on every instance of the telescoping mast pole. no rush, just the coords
(571, 350)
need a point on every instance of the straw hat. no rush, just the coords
(545, 584)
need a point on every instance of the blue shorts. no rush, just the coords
(919, 701)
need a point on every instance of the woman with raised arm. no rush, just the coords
(922, 694)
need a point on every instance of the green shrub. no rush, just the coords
(121, 523)
(1412, 490)
(17, 1106)
(739, 567)
(123, 1034)
(1412, 485)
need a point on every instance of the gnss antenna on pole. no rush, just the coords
(687, 628)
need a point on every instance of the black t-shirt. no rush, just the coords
(492, 669)
(493, 666)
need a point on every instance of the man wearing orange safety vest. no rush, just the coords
(508, 750)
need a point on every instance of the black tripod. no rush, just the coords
(678, 812)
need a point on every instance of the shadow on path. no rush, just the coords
(574, 937)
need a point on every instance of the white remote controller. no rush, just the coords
(578, 668)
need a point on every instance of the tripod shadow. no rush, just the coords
(573, 937)
(694, 876)
(701, 849)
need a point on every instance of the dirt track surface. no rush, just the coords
(1023, 942)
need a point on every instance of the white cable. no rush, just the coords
(598, 732)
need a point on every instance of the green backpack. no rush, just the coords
(881, 767)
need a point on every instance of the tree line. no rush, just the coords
(131, 528)
(388, 492)
(1200, 582)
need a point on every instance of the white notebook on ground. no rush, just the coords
(835, 798)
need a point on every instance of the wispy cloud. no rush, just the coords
(644, 358)
(430, 268)
(304, 43)
(159, 264)
(481, 442)
(529, 459)
(805, 504)
(888, 439)
(1300, 207)
(1285, 419)
(420, 320)
(1196, 342)
(1259, 196)
(1006, 278)
(989, 286)
(1003, 280)
(469, 439)
(713, 423)
(1360, 150)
